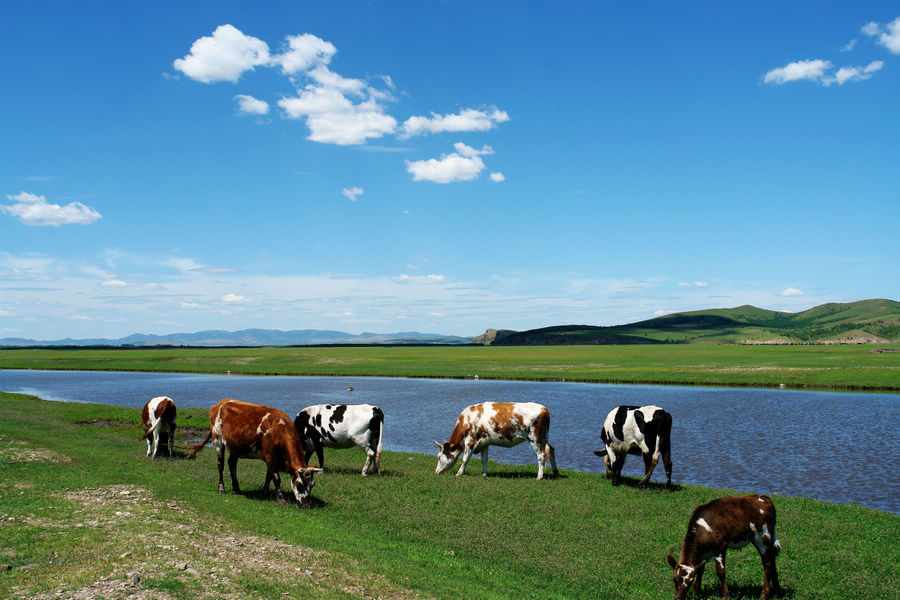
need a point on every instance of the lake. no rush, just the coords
(833, 446)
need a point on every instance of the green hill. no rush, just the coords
(866, 321)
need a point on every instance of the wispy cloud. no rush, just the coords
(352, 193)
(791, 291)
(251, 106)
(887, 35)
(32, 209)
(466, 120)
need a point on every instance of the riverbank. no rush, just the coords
(865, 367)
(82, 510)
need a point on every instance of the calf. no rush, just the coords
(731, 522)
(498, 424)
(342, 426)
(158, 418)
(256, 431)
(631, 430)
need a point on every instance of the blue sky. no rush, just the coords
(441, 166)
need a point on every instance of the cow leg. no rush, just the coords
(164, 443)
(276, 480)
(667, 465)
(649, 465)
(767, 553)
(171, 441)
(698, 578)
(552, 454)
(149, 436)
(232, 468)
(467, 454)
(220, 456)
(720, 571)
(370, 454)
(320, 455)
(541, 457)
(618, 461)
(484, 459)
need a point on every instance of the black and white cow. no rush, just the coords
(342, 426)
(644, 430)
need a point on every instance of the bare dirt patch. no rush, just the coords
(151, 543)
(14, 451)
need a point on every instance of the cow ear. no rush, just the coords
(671, 560)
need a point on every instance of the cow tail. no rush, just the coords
(665, 434)
(378, 422)
(198, 447)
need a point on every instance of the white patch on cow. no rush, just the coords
(702, 523)
(720, 560)
(687, 576)
(762, 512)
(752, 526)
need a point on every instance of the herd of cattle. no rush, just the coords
(255, 431)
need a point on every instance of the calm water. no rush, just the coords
(838, 447)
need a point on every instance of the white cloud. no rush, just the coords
(114, 283)
(352, 193)
(888, 36)
(812, 70)
(334, 119)
(251, 105)
(846, 74)
(699, 284)
(792, 292)
(233, 299)
(447, 169)
(466, 120)
(850, 45)
(224, 56)
(304, 52)
(32, 209)
(469, 151)
(404, 278)
(497, 177)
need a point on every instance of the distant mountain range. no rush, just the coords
(251, 337)
(866, 321)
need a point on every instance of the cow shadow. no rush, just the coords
(523, 475)
(635, 482)
(736, 592)
(358, 472)
(289, 499)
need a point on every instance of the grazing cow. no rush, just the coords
(255, 431)
(731, 522)
(498, 424)
(342, 426)
(644, 430)
(158, 418)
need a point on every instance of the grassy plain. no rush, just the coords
(84, 514)
(864, 366)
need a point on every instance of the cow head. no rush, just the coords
(446, 456)
(683, 575)
(302, 483)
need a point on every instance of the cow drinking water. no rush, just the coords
(730, 522)
(636, 429)
(342, 426)
(498, 424)
(255, 431)
(158, 418)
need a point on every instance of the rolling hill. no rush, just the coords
(866, 321)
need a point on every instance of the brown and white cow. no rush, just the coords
(498, 424)
(158, 417)
(255, 431)
(644, 430)
(730, 522)
(342, 426)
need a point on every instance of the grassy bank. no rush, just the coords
(865, 367)
(82, 511)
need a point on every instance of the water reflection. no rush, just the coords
(831, 446)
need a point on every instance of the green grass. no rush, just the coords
(864, 367)
(81, 508)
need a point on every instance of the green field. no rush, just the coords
(863, 366)
(85, 514)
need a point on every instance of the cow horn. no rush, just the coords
(312, 470)
(438, 444)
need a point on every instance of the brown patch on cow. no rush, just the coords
(505, 420)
